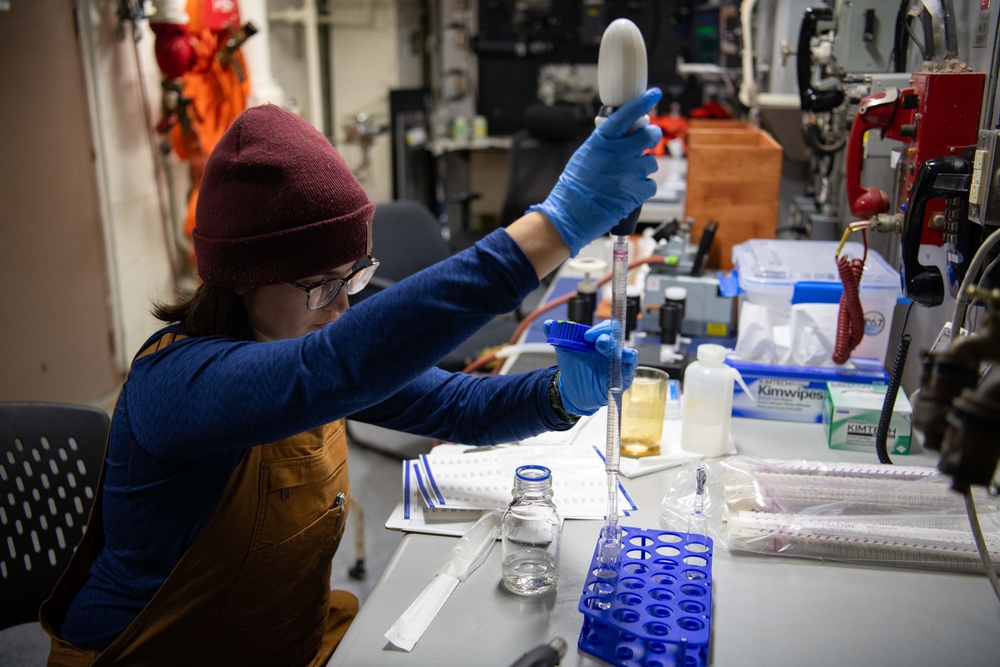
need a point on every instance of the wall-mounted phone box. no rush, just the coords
(777, 273)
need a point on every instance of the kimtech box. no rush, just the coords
(796, 393)
(852, 414)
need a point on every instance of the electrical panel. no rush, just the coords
(865, 36)
(984, 191)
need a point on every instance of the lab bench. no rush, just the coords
(767, 610)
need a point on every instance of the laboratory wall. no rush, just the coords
(364, 49)
(55, 303)
(139, 193)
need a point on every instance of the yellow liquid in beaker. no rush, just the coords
(643, 405)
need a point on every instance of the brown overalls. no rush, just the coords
(254, 586)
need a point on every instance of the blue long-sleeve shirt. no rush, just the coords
(187, 414)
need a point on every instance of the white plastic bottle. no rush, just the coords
(707, 405)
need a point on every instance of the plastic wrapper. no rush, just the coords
(682, 511)
(875, 514)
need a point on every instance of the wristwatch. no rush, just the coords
(555, 398)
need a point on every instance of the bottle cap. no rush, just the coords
(711, 353)
(675, 294)
(633, 290)
(569, 335)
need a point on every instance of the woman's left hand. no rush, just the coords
(583, 379)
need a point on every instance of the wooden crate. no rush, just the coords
(716, 124)
(734, 177)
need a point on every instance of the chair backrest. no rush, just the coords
(50, 461)
(538, 154)
(406, 238)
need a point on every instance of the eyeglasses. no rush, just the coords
(322, 293)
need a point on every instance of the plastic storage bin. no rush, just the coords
(778, 273)
(661, 608)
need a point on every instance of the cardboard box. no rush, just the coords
(734, 177)
(852, 413)
(796, 393)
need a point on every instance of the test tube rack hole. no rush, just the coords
(658, 611)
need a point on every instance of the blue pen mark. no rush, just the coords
(620, 487)
(406, 489)
(423, 489)
(627, 497)
(430, 476)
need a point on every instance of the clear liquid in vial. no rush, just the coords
(530, 571)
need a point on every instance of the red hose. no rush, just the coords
(545, 307)
(851, 318)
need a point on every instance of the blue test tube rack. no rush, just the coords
(659, 612)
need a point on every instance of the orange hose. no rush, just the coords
(480, 362)
(545, 307)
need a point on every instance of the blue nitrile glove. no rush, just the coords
(607, 178)
(583, 377)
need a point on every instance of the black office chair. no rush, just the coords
(539, 153)
(406, 238)
(50, 465)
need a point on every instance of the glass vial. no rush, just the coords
(530, 531)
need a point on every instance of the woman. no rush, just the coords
(225, 488)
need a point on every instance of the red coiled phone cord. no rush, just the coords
(851, 318)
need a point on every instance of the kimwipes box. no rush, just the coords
(852, 414)
(796, 393)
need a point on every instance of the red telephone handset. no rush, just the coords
(881, 111)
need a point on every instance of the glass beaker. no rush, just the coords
(643, 405)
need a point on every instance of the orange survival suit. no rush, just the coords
(205, 84)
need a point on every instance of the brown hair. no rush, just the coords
(210, 311)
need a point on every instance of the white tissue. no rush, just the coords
(470, 552)
(813, 331)
(410, 627)
(805, 338)
(755, 338)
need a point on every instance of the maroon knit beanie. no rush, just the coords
(277, 203)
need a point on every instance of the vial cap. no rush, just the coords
(711, 353)
(569, 335)
(633, 290)
(675, 293)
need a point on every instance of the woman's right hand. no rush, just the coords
(608, 176)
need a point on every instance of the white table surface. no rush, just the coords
(767, 610)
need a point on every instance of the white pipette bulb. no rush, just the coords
(621, 63)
